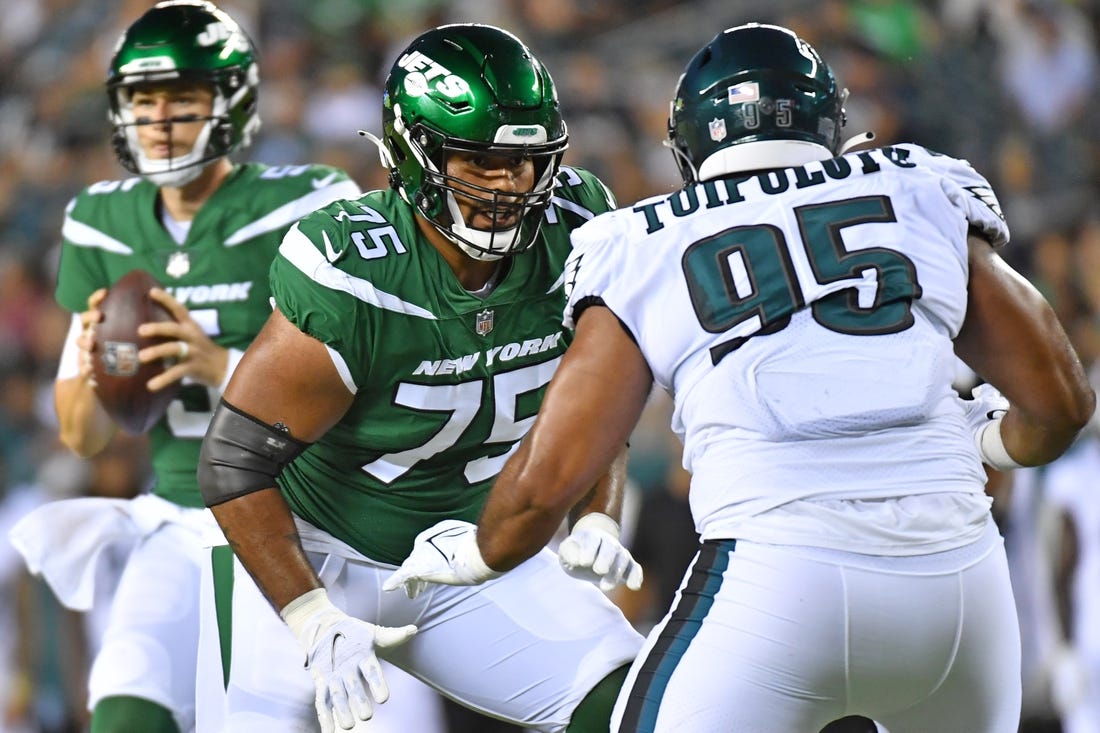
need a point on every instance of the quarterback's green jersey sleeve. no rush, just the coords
(446, 383)
(219, 273)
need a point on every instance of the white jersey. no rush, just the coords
(803, 320)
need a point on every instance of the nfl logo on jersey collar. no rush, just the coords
(484, 322)
(179, 264)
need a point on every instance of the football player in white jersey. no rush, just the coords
(803, 306)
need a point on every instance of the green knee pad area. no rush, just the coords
(593, 715)
(131, 715)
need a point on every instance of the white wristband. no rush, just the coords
(991, 446)
(470, 556)
(599, 522)
(298, 612)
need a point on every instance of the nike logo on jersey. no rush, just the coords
(330, 253)
(322, 182)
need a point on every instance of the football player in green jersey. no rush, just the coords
(183, 91)
(415, 332)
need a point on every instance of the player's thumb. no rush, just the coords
(387, 636)
(396, 580)
(634, 577)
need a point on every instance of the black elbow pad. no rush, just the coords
(241, 454)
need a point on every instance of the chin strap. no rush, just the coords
(855, 141)
(383, 153)
(684, 162)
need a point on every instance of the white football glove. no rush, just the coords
(984, 413)
(1069, 679)
(986, 404)
(592, 552)
(340, 655)
(445, 553)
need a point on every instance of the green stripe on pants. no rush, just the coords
(221, 560)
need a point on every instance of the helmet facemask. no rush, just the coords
(184, 42)
(175, 171)
(469, 89)
(437, 197)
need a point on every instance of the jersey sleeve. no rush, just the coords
(80, 272)
(594, 266)
(971, 193)
(313, 293)
(326, 185)
(581, 192)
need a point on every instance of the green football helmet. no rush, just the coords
(473, 89)
(755, 97)
(194, 42)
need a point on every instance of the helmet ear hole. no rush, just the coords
(223, 135)
(396, 151)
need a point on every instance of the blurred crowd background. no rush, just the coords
(1007, 84)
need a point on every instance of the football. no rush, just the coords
(119, 377)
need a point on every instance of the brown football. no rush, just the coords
(119, 377)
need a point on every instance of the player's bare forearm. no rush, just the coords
(590, 409)
(84, 427)
(606, 497)
(1012, 339)
(261, 531)
(287, 381)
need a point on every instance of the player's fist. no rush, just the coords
(592, 552)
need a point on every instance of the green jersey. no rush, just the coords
(219, 273)
(445, 383)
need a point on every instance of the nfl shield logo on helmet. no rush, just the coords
(484, 323)
(717, 130)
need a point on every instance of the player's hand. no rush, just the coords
(986, 405)
(984, 413)
(340, 655)
(592, 552)
(445, 553)
(194, 353)
(85, 340)
(1069, 679)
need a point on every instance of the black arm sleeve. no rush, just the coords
(241, 454)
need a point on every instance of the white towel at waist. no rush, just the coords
(63, 541)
